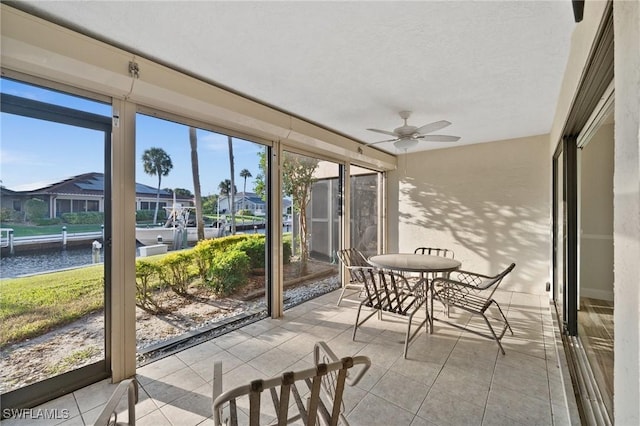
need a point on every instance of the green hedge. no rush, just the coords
(229, 270)
(222, 263)
(206, 250)
(148, 278)
(254, 247)
(47, 222)
(83, 218)
(176, 270)
(147, 215)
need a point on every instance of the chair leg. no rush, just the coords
(503, 317)
(495, 337)
(344, 288)
(409, 337)
(358, 322)
(506, 326)
(355, 326)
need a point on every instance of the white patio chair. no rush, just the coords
(352, 259)
(388, 292)
(108, 416)
(473, 292)
(323, 385)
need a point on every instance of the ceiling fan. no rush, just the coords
(406, 136)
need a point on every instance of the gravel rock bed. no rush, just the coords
(252, 312)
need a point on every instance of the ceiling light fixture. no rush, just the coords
(405, 143)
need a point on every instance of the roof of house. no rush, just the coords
(88, 184)
(251, 197)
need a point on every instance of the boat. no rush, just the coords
(177, 223)
(161, 235)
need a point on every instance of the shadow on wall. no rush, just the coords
(490, 203)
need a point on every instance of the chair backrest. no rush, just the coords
(388, 291)
(352, 258)
(318, 407)
(434, 251)
(480, 282)
(109, 416)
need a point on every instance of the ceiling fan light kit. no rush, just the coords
(406, 136)
(405, 144)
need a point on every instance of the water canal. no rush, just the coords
(12, 266)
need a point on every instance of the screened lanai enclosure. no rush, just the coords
(190, 284)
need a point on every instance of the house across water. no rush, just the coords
(81, 193)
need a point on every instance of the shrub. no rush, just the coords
(47, 221)
(176, 270)
(7, 215)
(206, 250)
(254, 247)
(286, 251)
(229, 270)
(147, 215)
(35, 209)
(83, 218)
(147, 279)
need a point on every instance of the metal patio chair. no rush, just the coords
(322, 386)
(109, 416)
(434, 251)
(473, 292)
(351, 259)
(389, 292)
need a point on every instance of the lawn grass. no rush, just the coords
(30, 306)
(22, 230)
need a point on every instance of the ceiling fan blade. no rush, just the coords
(388, 140)
(384, 132)
(433, 127)
(439, 138)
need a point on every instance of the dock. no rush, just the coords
(11, 245)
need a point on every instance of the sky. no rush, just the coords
(34, 153)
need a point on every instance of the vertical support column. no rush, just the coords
(10, 242)
(123, 247)
(345, 197)
(626, 213)
(571, 222)
(274, 197)
(382, 213)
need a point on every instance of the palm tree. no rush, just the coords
(245, 173)
(232, 194)
(225, 187)
(156, 162)
(195, 171)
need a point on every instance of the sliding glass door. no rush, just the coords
(201, 227)
(55, 254)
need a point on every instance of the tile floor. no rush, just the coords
(451, 377)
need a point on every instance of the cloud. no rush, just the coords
(19, 159)
(24, 94)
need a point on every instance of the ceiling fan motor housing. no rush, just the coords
(405, 131)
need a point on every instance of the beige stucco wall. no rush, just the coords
(626, 184)
(626, 205)
(489, 202)
(596, 216)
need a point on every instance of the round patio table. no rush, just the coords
(410, 262)
(421, 263)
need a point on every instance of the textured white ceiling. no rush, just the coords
(493, 69)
